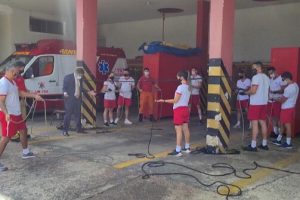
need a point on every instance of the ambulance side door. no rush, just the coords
(42, 75)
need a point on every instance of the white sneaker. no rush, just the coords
(250, 126)
(237, 125)
(116, 120)
(127, 122)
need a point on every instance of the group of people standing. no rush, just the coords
(265, 97)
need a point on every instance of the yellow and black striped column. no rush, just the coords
(218, 107)
(88, 106)
(203, 96)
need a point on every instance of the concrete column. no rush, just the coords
(221, 31)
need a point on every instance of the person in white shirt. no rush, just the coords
(275, 93)
(257, 113)
(109, 90)
(242, 102)
(181, 114)
(288, 102)
(11, 119)
(196, 82)
(126, 85)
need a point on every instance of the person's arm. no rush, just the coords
(104, 88)
(30, 95)
(3, 107)
(252, 90)
(139, 85)
(157, 87)
(171, 101)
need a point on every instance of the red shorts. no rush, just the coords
(257, 112)
(124, 101)
(274, 109)
(109, 103)
(194, 100)
(287, 115)
(181, 115)
(244, 104)
(13, 127)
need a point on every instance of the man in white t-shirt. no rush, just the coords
(275, 93)
(242, 102)
(126, 85)
(257, 113)
(10, 113)
(287, 114)
(196, 82)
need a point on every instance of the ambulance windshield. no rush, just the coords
(12, 59)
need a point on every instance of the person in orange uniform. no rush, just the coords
(145, 86)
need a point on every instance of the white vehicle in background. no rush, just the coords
(48, 61)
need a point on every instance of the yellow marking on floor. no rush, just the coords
(262, 173)
(162, 154)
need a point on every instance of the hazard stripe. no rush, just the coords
(88, 107)
(218, 104)
(203, 96)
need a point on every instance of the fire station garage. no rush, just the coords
(149, 99)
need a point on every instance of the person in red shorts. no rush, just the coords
(257, 113)
(181, 114)
(126, 85)
(145, 86)
(274, 106)
(288, 103)
(196, 82)
(242, 102)
(109, 90)
(10, 115)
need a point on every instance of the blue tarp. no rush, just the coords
(158, 47)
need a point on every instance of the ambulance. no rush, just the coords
(49, 60)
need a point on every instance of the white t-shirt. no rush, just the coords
(110, 95)
(126, 87)
(243, 85)
(10, 90)
(185, 93)
(261, 96)
(195, 81)
(275, 85)
(291, 92)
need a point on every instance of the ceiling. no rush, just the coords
(112, 11)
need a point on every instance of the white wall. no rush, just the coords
(130, 35)
(256, 31)
(260, 29)
(16, 25)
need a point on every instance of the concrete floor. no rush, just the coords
(96, 166)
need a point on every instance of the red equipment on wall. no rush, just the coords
(288, 59)
(163, 69)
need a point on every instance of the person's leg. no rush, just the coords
(68, 114)
(199, 112)
(288, 131)
(126, 112)
(150, 106)
(264, 131)
(187, 135)
(77, 115)
(142, 106)
(105, 115)
(23, 137)
(3, 143)
(111, 115)
(254, 132)
(178, 129)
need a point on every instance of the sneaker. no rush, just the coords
(266, 148)
(112, 123)
(29, 155)
(237, 125)
(286, 145)
(65, 133)
(175, 153)
(127, 122)
(3, 168)
(273, 135)
(249, 148)
(141, 117)
(276, 142)
(116, 120)
(106, 124)
(188, 150)
(151, 118)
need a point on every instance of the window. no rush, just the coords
(42, 66)
(46, 26)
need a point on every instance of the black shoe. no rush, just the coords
(106, 124)
(273, 135)
(152, 118)
(249, 148)
(266, 148)
(65, 133)
(141, 117)
(81, 131)
(113, 123)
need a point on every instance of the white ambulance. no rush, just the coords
(48, 61)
